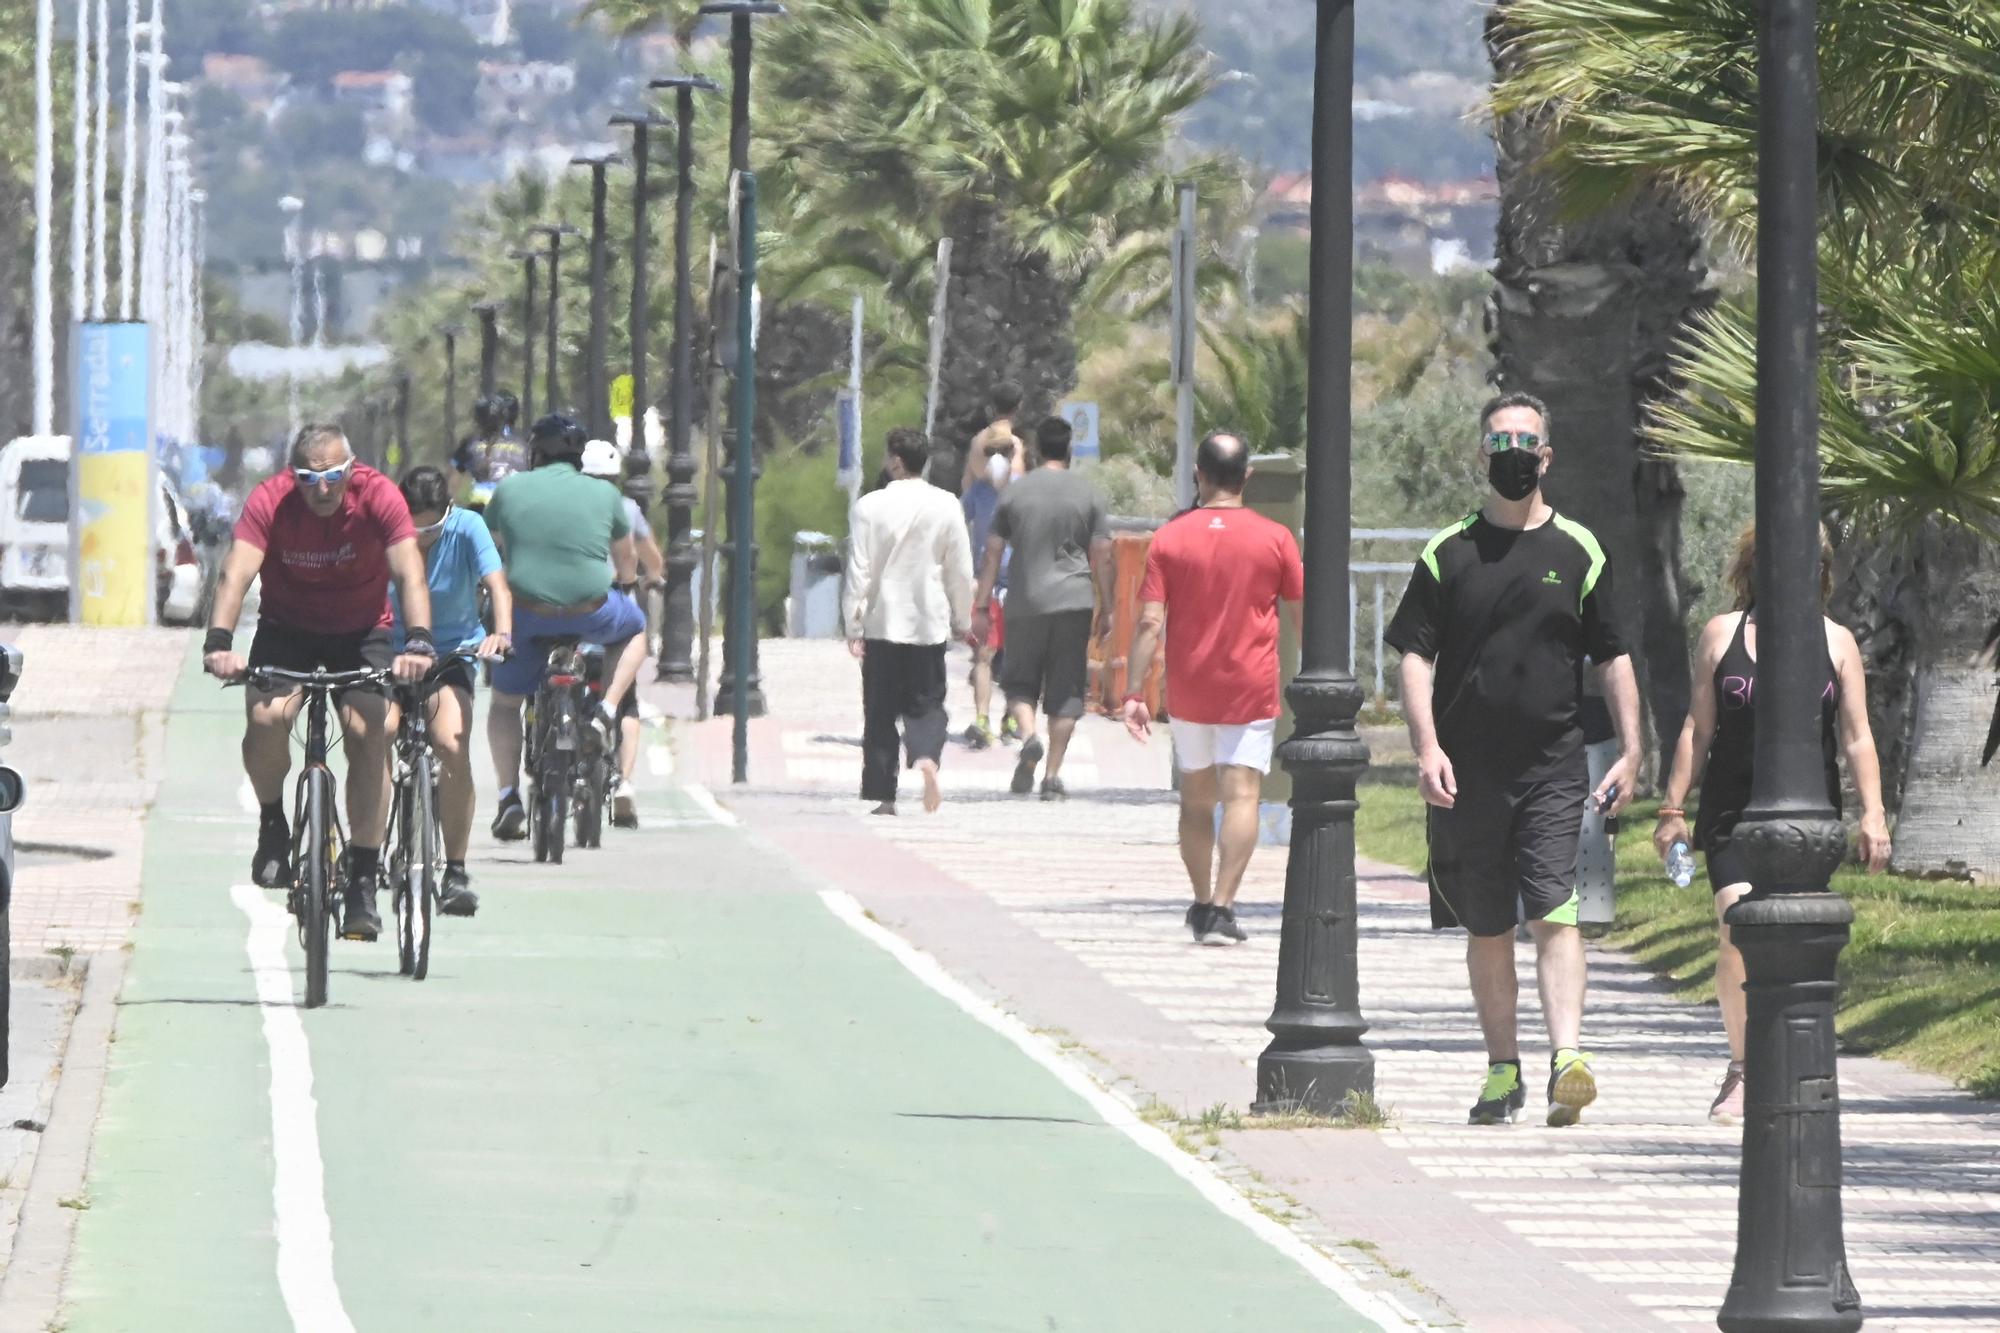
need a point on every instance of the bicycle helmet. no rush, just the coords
(557, 435)
(506, 409)
(601, 459)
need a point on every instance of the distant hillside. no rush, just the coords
(1419, 66)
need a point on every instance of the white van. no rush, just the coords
(34, 537)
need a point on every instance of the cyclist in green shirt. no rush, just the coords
(563, 537)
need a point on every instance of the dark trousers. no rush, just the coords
(900, 683)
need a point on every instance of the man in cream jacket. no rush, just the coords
(908, 594)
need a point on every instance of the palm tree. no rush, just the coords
(1587, 309)
(1033, 133)
(1664, 96)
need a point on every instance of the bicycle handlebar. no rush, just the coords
(317, 678)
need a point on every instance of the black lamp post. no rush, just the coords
(489, 346)
(597, 390)
(1316, 1059)
(528, 258)
(450, 332)
(637, 329)
(551, 379)
(740, 14)
(1791, 1260)
(677, 627)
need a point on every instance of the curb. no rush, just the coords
(31, 1288)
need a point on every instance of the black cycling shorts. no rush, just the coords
(1048, 661)
(1724, 864)
(1505, 849)
(291, 649)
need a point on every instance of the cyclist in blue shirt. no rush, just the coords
(459, 559)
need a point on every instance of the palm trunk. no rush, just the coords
(1586, 314)
(1010, 317)
(1950, 806)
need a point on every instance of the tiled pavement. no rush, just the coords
(1070, 914)
(88, 703)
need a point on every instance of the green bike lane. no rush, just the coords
(660, 1086)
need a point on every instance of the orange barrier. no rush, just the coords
(1107, 660)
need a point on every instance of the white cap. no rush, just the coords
(600, 459)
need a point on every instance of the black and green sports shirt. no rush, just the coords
(1508, 617)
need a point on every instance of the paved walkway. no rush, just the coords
(660, 1086)
(1070, 916)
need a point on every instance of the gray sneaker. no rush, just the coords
(1223, 928)
(1198, 916)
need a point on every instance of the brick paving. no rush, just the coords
(86, 721)
(1070, 915)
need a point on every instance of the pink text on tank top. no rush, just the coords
(1739, 691)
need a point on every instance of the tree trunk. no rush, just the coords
(17, 374)
(1585, 316)
(1010, 317)
(1950, 811)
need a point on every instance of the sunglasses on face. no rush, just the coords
(430, 528)
(1500, 441)
(333, 476)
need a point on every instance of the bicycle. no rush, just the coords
(318, 841)
(554, 726)
(415, 839)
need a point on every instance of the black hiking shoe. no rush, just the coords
(358, 918)
(510, 821)
(271, 866)
(455, 895)
(1024, 767)
(1197, 919)
(1222, 927)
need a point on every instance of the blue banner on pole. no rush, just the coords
(847, 421)
(115, 381)
(114, 493)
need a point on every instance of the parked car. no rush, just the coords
(34, 538)
(12, 788)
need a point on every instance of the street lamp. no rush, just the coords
(489, 346)
(642, 242)
(1791, 1260)
(1316, 1059)
(291, 205)
(597, 390)
(551, 381)
(528, 258)
(677, 624)
(740, 14)
(450, 332)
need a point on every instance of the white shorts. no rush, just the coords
(1199, 745)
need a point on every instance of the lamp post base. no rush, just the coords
(1319, 1079)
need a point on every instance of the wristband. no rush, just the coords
(219, 640)
(1672, 812)
(417, 641)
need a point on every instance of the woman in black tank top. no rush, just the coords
(1720, 737)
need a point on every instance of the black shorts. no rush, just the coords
(1724, 864)
(1504, 849)
(458, 672)
(291, 649)
(1048, 661)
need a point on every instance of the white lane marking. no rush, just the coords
(246, 796)
(1383, 1309)
(660, 761)
(305, 1232)
(705, 801)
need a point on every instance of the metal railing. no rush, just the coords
(1386, 579)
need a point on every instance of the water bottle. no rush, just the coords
(1680, 864)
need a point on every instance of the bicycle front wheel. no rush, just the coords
(554, 795)
(404, 873)
(316, 924)
(424, 843)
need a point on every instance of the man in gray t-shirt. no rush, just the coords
(1058, 599)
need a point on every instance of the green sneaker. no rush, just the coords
(1501, 1098)
(1571, 1086)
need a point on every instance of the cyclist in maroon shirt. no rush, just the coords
(327, 535)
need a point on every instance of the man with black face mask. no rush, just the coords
(1502, 610)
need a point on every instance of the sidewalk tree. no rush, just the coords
(1588, 305)
(1664, 97)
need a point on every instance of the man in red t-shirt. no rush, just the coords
(1214, 578)
(327, 535)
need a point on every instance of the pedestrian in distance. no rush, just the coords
(908, 594)
(996, 457)
(1502, 610)
(1215, 577)
(1716, 747)
(1058, 600)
